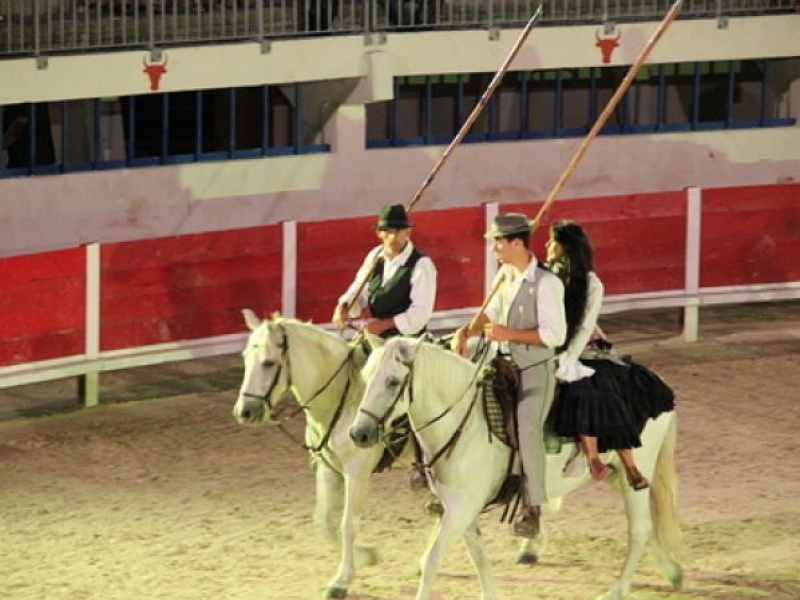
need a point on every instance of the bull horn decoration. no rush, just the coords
(616, 37)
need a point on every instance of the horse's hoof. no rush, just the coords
(336, 592)
(677, 580)
(527, 558)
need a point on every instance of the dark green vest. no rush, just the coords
(394, 297)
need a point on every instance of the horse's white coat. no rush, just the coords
(469, 477)
(342, 470)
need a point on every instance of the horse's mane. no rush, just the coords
(451, 370)
(329, 342)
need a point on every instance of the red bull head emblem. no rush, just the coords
(607, 45)
(154, 71)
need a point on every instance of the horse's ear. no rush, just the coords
(406, 350)
(250, 319)
(374, 341)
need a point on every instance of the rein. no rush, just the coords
(275, 415)
(450, 444)
(447, 448)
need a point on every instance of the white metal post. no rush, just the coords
(691, 310)
(491, 209)
(289, 273)
(90, 381)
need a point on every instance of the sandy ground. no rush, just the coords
(167, 497)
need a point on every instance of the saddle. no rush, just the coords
(500, 382)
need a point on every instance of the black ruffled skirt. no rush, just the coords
(613, 404)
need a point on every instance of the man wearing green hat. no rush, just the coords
(401, 291)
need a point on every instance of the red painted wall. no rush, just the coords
(328, 255)
(639, 240)
(187, 287)
(42, 306)
(750, 235)
(190, 287)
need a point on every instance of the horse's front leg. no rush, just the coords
(329, 496)
(530, 549)
(637, 509)
(458, 516)
(356, 488)
(480, 560)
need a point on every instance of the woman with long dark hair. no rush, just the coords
(602, 400)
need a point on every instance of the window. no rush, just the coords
(563, 103)
(103, 133)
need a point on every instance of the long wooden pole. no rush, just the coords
(478, 109)
(465, 127)
(612, 104)
(601, 121)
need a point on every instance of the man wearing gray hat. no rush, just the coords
(527, 320)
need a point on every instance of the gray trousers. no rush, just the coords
(538, 388)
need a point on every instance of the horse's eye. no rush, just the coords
(268, 364)
(392, 382)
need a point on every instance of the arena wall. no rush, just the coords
(177, 289)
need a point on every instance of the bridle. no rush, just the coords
(275, 412)
(381, 419)
(266, 397)
(408, 383)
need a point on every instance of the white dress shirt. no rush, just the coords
(550, 309)
(423, 289)
(570, 367)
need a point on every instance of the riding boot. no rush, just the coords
(636, 480)
(528, 525)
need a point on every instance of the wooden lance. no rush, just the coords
(612, 104)
(478, 109)
(601, 121)
(465, 127)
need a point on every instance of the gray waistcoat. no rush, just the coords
(523, 314)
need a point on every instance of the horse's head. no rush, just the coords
(265, 365)
(386, 375)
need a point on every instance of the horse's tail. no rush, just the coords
(663, 497)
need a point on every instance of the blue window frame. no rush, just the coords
(563, 103)
(155, 129)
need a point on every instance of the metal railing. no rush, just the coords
(42, 27)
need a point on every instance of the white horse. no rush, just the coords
(321, 371)
(437, 388)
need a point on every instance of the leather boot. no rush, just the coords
(528, 525)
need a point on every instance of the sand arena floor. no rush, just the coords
(167, 497)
